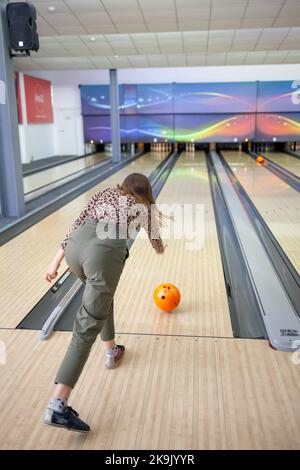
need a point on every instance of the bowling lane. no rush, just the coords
(25, 258)
(196, 270)
(169, 393)
(277, 202)
(286, 161)
(45, 177)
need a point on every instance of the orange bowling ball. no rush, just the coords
(260, 160)
(167, 297)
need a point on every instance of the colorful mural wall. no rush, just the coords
(215, 97)
(198, 112)
(282, 126)
(214, 127)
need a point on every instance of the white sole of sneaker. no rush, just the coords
(65, 427)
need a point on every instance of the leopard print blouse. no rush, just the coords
(109, 205)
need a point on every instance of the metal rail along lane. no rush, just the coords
(285, 175)
(50, 162)
(41, 190)
(61, 198)
(246, 321)
(275, 292)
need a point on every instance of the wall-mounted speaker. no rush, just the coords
(21, 19)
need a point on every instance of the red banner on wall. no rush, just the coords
(38, 100)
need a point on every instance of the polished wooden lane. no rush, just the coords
(277, 202)
(198, 273)
(286, 161)
(45, 177)
(174, 388)
(25, 258)
(168, 393)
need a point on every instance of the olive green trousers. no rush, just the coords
(99, 264)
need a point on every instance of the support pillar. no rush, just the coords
(11, 179)
(132, 146)
(114, 115)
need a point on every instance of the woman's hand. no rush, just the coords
(160, 250)
(52, 271)
(53, 267)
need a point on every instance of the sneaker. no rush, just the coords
(68, 418)
(113, 356)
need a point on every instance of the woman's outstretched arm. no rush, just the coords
(54, 265)
(150, 224)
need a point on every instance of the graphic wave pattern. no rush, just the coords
(95, 99)
(214, 128)
(272, 126)
(278, 96)
(199, 112)
(215, 97)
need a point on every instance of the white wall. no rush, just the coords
(36, 140)
(39, 142)
(65, 136)
(234, 73)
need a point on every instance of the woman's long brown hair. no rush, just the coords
(139, 187)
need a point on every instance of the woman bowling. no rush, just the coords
(95, 250)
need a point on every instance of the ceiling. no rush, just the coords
(93, 34)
